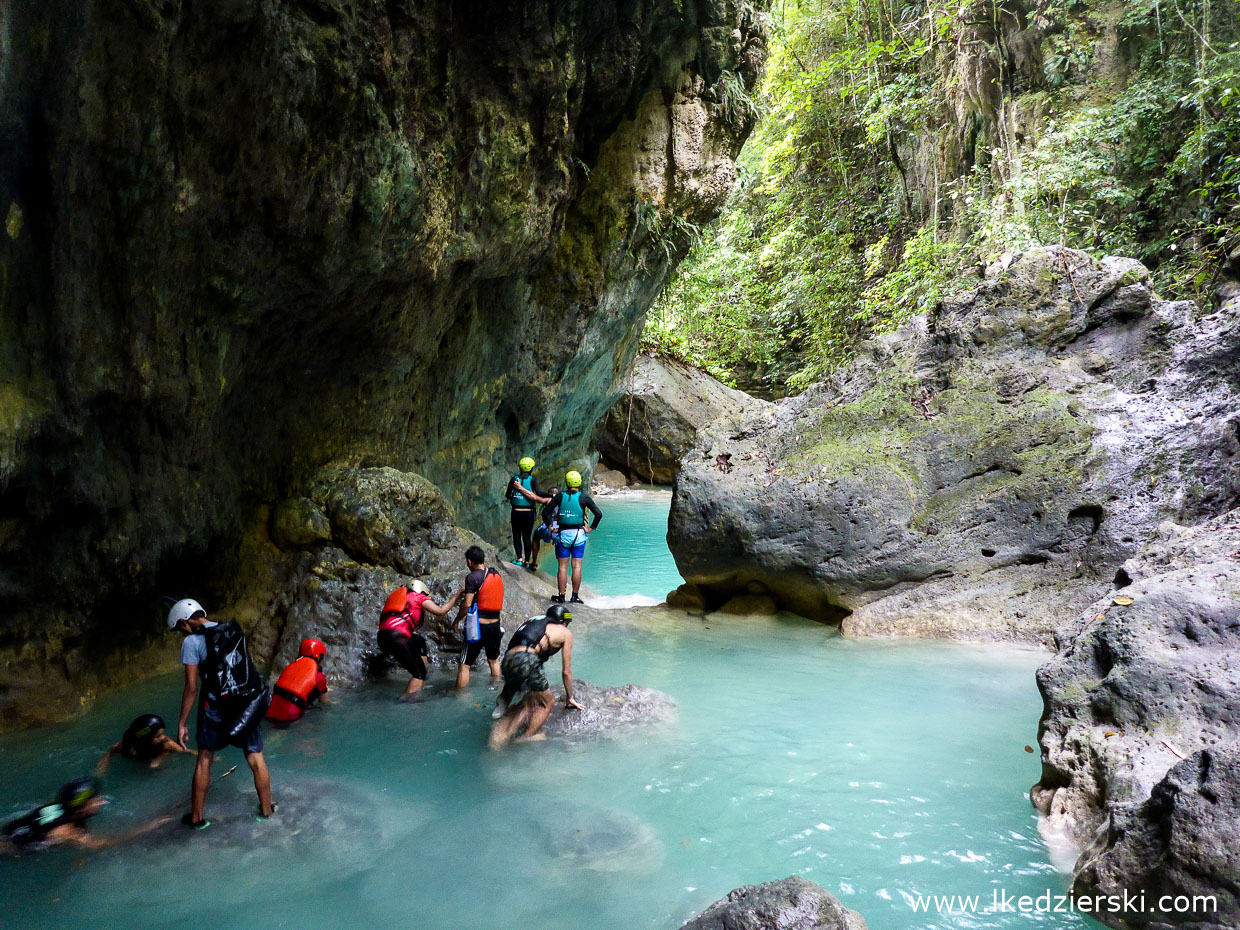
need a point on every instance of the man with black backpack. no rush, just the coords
(234, 699)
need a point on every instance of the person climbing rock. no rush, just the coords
(546, 531)
(480, 612)
(571, 505)
(144, 741)
(522, 494)
(66, 820)
(300, 685)
(398, 635)
(234, 698)
(526, 700)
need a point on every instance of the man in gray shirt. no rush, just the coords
(215, 718)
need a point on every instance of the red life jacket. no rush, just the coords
(292, 692)
(402, 612)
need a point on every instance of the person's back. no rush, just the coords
(534, 642)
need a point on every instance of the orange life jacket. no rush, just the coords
(292, 691)
(490, 597)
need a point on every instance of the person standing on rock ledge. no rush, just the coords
(234, 699)
(570, 506)
(522, 493)
(547, 530)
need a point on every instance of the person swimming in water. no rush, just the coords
(526, 700)
(144, 741)
(300, 685)
(66, 820)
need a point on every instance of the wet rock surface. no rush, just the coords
(245, 240)
(788, 904)
(665, 405)
(983, 473)
(1140, 730)
(607, 710)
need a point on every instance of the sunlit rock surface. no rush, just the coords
(983, 473)
(788, 904)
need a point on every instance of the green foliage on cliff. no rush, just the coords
(908, 143)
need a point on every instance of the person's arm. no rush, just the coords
(431, 607)
(187, 703)
(171, 745)
(588, 501)
(106, 758)
(467, 603)
(536, 492)
(88, 840)
(567, 658)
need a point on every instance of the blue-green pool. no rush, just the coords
(881, 770)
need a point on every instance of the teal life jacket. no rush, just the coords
(572, 515)
(519, 499)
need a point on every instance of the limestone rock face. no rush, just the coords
(1141, 723)
(666, 403)
(386, 528)
(983, 473)
(788, 904)
(246, 239)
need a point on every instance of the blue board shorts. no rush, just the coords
(570, 544)
(544, 534)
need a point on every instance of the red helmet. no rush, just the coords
(312, 648)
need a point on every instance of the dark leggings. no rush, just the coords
(406, 650)
(522, 533)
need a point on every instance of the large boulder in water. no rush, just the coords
(788, 904)
(665, 405)
(1141, 723)
(983, 473)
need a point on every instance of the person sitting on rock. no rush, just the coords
(480, 611)
(522, 493)
(65, 820)
(526, 700)
(546, 531)
(300, 685)
(144, 741)
(398, 635)
(571, 505)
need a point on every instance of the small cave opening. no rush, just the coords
(1087, 513)
(988, 552)
(1122, 579)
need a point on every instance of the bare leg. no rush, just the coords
(202, 781)
(534, 552)
(415, 685)
(562, 576)
(462, 675)
(495, 672)
(262, 781)
(576, 576)
(503, 729)
(542, 702)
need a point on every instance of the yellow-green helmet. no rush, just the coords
(526, 464)
(573, 479)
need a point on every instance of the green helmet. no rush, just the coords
(526, 464)
(573, 479)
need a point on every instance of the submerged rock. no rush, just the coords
(600, 840)
(609, 710)
(983, 473)
(788, 904)
(1141, 723)
(665, 405)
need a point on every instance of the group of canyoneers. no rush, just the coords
(233, 699)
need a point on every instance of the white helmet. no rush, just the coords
(183, 610)
(419, 588)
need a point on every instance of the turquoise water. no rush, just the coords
(627, 558)
(880, 770)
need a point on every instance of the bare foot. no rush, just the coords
(532, 739)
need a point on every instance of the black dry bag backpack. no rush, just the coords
(231, 675)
